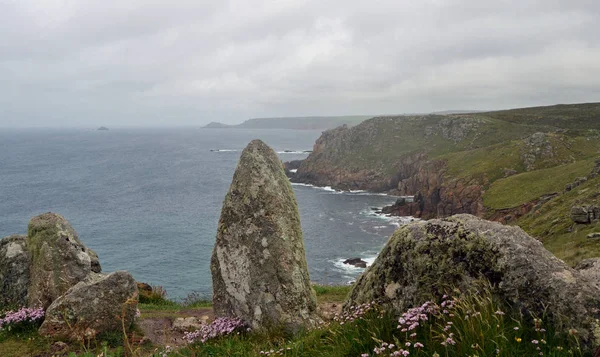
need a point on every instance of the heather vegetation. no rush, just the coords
(473, 324)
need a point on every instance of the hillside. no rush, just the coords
(296, 123)
(496, 165)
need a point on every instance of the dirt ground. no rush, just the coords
(168, 329)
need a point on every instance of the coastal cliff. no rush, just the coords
(453, 163)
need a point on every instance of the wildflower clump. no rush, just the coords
(21, 320)
(355, 312)
(222, 326)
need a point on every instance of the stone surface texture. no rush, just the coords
(258, 263)
(101, 303)
(14, 271)
(426, 259)
(58, 259)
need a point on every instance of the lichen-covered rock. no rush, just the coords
(580, 214)
(590, 268)
(258, 263)
(58, 259)
(14, 271)
(424, 260)
(97, 305)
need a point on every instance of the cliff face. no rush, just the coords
(393, 155)
(449, 162)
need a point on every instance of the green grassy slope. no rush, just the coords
(528, 186)
(551, 224)
(567, 116)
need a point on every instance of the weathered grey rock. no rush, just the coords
(94, 261)
(58, 259)
(94, 306)
(590, 268)
(594, 235)
(579, 214)
(14, 271)
(357, 262)
(424, 260)
(258, 263)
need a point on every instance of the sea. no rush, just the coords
(148, 200)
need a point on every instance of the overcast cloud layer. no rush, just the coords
(180, 62)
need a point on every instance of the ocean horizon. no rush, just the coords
(148, 200)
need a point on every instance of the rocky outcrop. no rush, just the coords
(100, 303)
(536, 147)
(369, 157)
(590, 268)
(436, 195)
(14, 271)
(291, 167)
(578, 182)
(424, 260)
(585, 214)
(357, 262)
(58, 259)
(258, 263)
(509, 215)
(51, 268)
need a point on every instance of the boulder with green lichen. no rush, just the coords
(258, 263)
(425, 260)
(58, 259)
(99, 304)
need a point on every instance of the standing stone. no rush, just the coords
(58, 259)
(258, 263)
(99, 304)
(14, 271)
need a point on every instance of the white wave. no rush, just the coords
(292, 152)
(294, 171)
(325, 188)
(391, 220)
(224, 150)
(332, 190)
(339, 263)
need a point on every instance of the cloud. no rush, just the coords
(190, 62)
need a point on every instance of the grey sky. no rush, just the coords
(188, 62)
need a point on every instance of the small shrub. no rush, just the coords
(196, 299)
(157, 296)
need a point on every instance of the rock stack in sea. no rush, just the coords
(50, 268)
(258, 264)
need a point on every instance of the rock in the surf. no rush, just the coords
(258, 263)
(357, 262)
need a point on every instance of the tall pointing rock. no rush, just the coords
(258, 263)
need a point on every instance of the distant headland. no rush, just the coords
(102, 128)
(295, 123)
